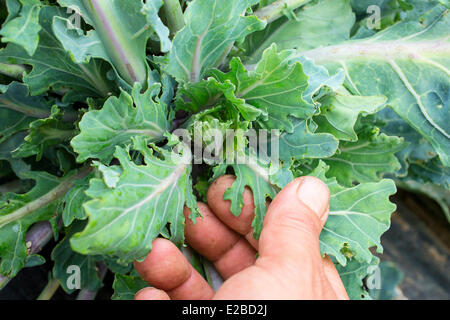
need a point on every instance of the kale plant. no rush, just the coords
(93, 94)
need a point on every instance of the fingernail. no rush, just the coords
(315, 194)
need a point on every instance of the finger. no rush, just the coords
(151, 294)
(242, 224)
(290, 234)
(167, 269)
(334, 279)
(229, 252)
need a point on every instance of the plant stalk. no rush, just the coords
(49, 290)
(85, 293)
(276, 9)
(30, 111)
(174, 15)
(130, 65)
(96, 80)
(212, 275)
(203, 266)
(38, 236)
(12, 70)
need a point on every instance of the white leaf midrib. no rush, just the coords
(165, 183)
(372, 50)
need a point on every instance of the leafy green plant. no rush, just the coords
(93, 91)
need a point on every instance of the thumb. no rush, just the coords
(293, 223)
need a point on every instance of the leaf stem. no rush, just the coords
(204, 267)
(97, 81)
(49, 290)
(47, 198)
(12, 70)
(31, 111)
(130, 65)
(38, 236)
(85, 293)
(212, 275)
(174, 15)
(276, 9)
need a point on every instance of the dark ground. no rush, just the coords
(418, 242)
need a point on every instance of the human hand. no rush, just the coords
(289, 264)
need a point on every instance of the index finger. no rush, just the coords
(229, 252)
(241, 224)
